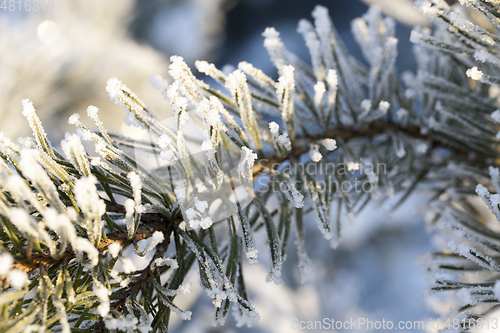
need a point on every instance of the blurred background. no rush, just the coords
(61, 56)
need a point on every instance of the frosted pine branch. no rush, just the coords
(68, 217)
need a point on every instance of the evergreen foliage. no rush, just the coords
(67, 214)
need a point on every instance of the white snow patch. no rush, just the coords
(474, 73)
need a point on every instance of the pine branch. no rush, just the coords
(302, 145)
(157, 223)
(152, 222)
(60, 213)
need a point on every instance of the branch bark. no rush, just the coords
(302, 145)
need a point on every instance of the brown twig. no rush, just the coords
(33, 261)
(158, 222)
(302, 145)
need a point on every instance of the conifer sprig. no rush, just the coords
(68, 215)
